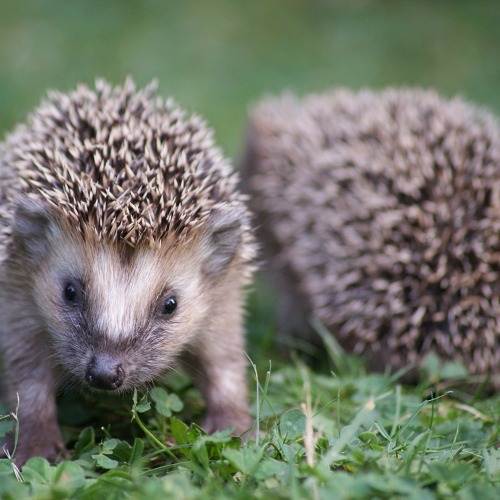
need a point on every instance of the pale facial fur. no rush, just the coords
(120, 311)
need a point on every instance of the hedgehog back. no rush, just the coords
(383, 211)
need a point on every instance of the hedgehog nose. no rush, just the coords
(104, 373)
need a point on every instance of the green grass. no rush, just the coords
(322, 435)
(365, 435)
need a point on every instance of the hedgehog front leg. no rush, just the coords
(218, 364)
(28, 376)
(221, 379)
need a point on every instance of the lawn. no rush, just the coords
(327, 428)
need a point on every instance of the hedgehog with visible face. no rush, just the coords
(125, 246)
(380, 216)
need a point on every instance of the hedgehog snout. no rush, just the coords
(105, 372)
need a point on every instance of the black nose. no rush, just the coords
(105, 373)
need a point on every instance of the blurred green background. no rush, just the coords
(218, 56)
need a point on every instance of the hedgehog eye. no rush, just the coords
(169, 306)
(71, 293)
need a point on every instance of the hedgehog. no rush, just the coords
(125, 250)
(379, 214)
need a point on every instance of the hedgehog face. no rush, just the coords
(116, 321)
(117, 317)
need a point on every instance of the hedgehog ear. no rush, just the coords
(32, 227)
(225, 230)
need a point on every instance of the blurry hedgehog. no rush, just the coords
(124, 246)
(380, 215)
